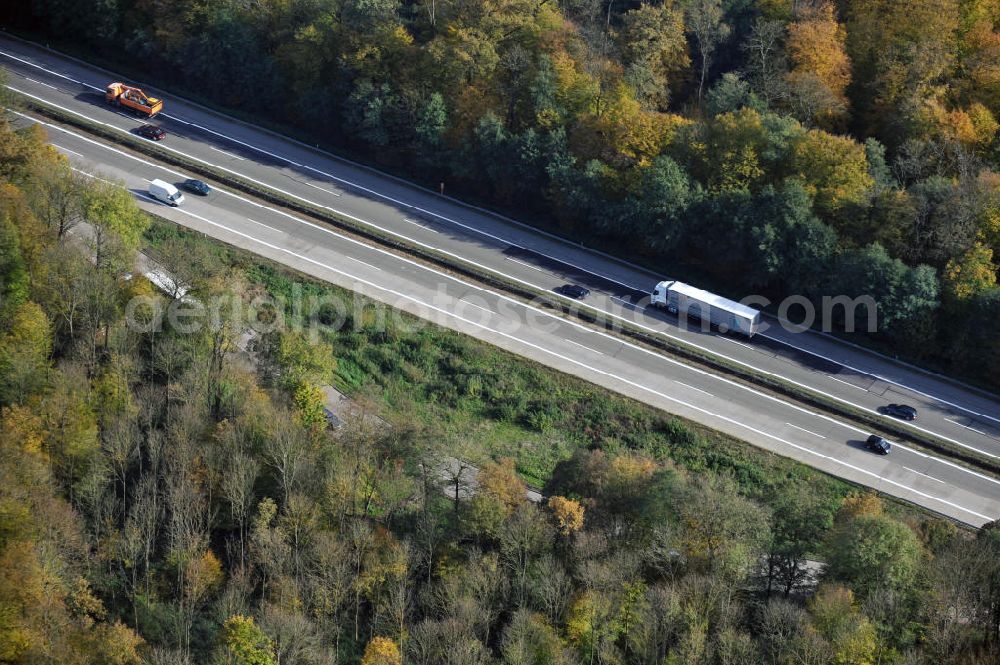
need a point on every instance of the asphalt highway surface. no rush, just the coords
(743, 411)
(949, 410)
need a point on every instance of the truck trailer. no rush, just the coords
(724, 314)
(131, 97)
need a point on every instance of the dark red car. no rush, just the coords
(151, 132)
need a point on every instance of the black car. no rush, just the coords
(151, 132)
(196, 186)
(573, 291)
(900, 411)
(877, 444)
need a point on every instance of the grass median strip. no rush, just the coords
(520, 290)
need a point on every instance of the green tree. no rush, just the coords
(544, 89)
(870, 553)
(724, 220)
(243, 643)
(430, 128)
(529, 640)
(944, 224)
(492, 153)
(533, 150)
(800, 520)
(975, 347)
(901, 294)
(833, 168)
(731, 93)
(890, 217)
(299, 360)
(57, 196)
(14, 278)
(369, 14)
(309, 401)
(787, 242)
(851, 636)
(917, 297)
(25, 345)
(117, 224)
(654, 49)
(724, 532)
(578, 192)
(743, 149)
(367, 112)
(71, 433)
(227, 54)
(878, 168)
(658, 210)
(590, 625)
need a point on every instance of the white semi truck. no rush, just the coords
(724, 314)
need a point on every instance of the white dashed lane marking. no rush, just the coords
(805, 430)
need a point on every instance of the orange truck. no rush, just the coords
(120, 94)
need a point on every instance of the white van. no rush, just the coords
(164, 191)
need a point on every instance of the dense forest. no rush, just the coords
(169, 498)
(823, 147)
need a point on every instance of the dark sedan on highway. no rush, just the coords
(196, 186)
(573, 291)
(878, 445)
(903, 411)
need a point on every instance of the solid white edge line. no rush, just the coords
(479, 231)
(31, 64)
(624, 380)
(571, 360)
(879, 377)
(642, 326)
(503, 297)
(511, 300)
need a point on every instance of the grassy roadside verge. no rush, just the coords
(484, 402)
(540, 297)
